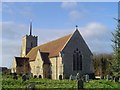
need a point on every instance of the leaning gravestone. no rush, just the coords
(70, 78)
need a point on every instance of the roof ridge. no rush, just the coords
(53, 47)
(55, 39)
(67, 41)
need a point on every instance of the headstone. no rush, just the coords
(108, 77)
(116, 79)
(86, 78)
(15, 76)
(80, 84)
(31, 86)
(70, 78)
(113, 78)
(24, 77)
(78, 76)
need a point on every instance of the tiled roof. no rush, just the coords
(53, 47)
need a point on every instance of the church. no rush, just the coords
(57, 59)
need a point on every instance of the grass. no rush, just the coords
(8, 82)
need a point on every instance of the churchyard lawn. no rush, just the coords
(9, 82)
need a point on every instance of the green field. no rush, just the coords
(8, 82)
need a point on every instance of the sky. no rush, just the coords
(52, 20)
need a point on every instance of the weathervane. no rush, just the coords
(76, 27)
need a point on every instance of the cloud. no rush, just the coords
(10, 48)
(8, 8)
(11, 10)
(76, 15)
(13, 31)
(27, 12)
(74, 12)
(11, 41)
(95, 29)
(98, 37)
(69, 5)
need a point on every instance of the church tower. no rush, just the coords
(28, 42)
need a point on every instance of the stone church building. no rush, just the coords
(56, 59)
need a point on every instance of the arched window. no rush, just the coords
(77, 60)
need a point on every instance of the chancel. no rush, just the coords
(57, 59)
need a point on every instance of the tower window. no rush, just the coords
(77, 60)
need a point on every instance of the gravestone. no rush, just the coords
(108, 77)
(15, 76)
(73, 77)
(70, 78)
(24, 77)
(116, 79)
(86, 78)
(31, 86)
(80, 84)
(113, 78)
(78, 76)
